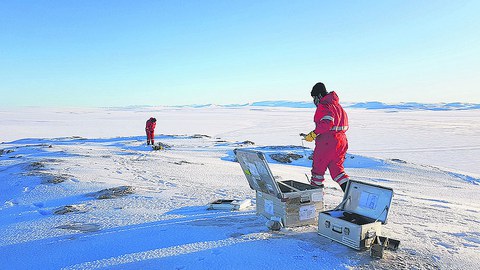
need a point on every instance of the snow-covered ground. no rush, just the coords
(58, 157)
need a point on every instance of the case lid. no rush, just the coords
(368, 200)
(256, 169)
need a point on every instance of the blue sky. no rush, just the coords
(116, 53)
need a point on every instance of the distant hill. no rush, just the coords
(375, 105)
(283, 103)
(371, 105)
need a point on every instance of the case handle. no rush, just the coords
(337, 229)
(305, 199)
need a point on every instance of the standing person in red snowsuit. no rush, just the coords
(150, 129)
(331, 144)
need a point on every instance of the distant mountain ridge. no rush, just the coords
(371, 105)
(375, 105)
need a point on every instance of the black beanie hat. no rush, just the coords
(319, 90)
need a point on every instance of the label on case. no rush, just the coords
(307, 212)
(268, 207)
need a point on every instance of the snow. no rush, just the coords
(54, 161)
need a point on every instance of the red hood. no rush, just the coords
(330, 98)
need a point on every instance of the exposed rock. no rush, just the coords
(285, 158)
(6, 151)
(398, 160)
(199, 136)
(111, 193)
(55, 179)
(244, 143)
(37, 165)
(79, 208)
(75, 138)
(181, 162)
(40, 165)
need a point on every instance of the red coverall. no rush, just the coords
(150, 129)
(331, 144)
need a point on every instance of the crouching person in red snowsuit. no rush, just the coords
(331, 144)
(150, 129)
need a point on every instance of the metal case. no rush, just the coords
(358, 219)
(294, 203)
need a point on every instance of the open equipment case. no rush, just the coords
(358, 220)
(294, 203)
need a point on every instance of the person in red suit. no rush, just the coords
(150, 129)
(331, 144)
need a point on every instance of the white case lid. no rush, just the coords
(257, 171)
(368, 200)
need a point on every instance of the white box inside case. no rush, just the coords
(359, 218)
(294, 203)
